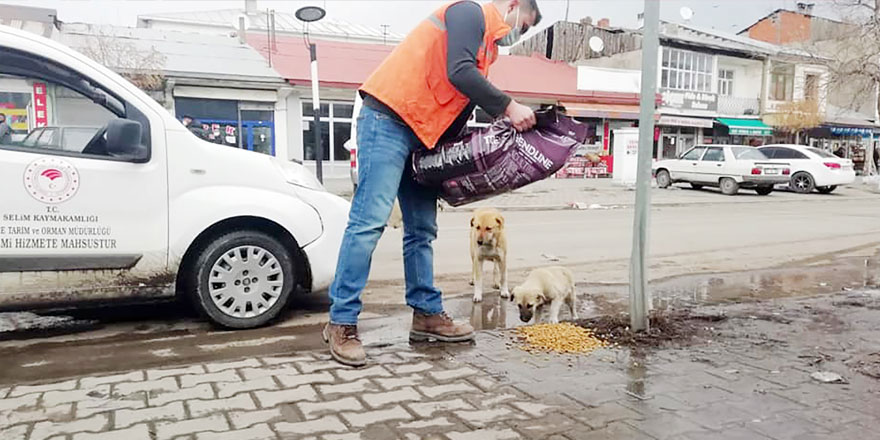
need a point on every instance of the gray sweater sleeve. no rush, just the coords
(465, 26)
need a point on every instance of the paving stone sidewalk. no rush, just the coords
(748, 379)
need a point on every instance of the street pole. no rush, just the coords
(639, 296)
(316, 105)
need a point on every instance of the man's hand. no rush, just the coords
(522, 117)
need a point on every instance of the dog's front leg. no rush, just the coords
(478, 279)
(555, 306)
(501, 266)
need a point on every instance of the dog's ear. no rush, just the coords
(472, 222)
(500, 220)
(542, 298)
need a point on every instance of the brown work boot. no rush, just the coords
(345, 345)
(439, 327)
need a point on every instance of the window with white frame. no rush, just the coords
(686, 70)
(782, 82)
(336, 120)
(725, 82)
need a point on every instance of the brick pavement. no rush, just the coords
(748, 379)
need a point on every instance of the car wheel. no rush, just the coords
(764, 190)
(802, 183)
(696, 186)
(729, 186)
(663, 179)
(243, 279)
(826, 189)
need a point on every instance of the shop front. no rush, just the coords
(16, 96)
(848, 142)
(602, 120)
(234, 123)
(679, 133)
(740, 131)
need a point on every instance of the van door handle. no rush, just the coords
(718, 165)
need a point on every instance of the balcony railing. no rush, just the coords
(733, 106)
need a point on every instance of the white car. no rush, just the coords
(812, 168)
(729, 167)
(145, 209)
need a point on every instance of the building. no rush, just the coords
(715, 87)
(851, 118)
(219, 80)
(267, 23)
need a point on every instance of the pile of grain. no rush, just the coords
(564, 337)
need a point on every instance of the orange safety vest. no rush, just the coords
(413, 81)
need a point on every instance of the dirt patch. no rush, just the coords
(666, 328)
(869, 365)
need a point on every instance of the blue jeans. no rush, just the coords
(384, 148)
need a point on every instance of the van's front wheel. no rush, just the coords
(243, 279)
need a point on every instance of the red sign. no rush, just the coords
(41, 116)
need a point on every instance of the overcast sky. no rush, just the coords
(402, 15)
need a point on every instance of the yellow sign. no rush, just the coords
(16, 117)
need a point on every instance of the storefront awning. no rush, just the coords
(608, 111)
(746, 127)
(851, 131)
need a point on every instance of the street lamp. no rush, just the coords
(310, 14)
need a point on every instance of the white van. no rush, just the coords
(146, 209)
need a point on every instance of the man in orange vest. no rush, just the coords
(424, 92)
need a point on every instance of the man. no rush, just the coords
(422, 93)
(5, 130)
(194, 126)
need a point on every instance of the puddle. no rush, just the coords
(843, 275)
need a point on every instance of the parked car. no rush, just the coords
(66, 138)
(146, 209)
(812, 168)
(729, 167)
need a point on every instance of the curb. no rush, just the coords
(525, 208)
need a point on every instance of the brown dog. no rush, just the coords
(488, 242)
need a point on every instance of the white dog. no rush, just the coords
(554, 285)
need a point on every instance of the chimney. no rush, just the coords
(640, 19)
(604, 23)
(805, 8)
(242, 37)
(587, 21)
(250, 7)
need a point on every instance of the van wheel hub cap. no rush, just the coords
(245, 282)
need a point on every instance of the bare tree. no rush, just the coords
(143, 67)
(796, 116)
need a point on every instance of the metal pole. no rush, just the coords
(316, 105)
(639, 296)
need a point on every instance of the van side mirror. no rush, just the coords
(124, 140)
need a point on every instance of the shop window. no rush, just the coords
(686, 70)
(336, 119)
(250, 126)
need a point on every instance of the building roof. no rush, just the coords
(185, 54)
(712, 38)
(347, 65)
(811, 16)
(285, 22)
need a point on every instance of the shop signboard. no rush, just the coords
(686, 100)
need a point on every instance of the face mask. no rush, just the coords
(514, 35)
